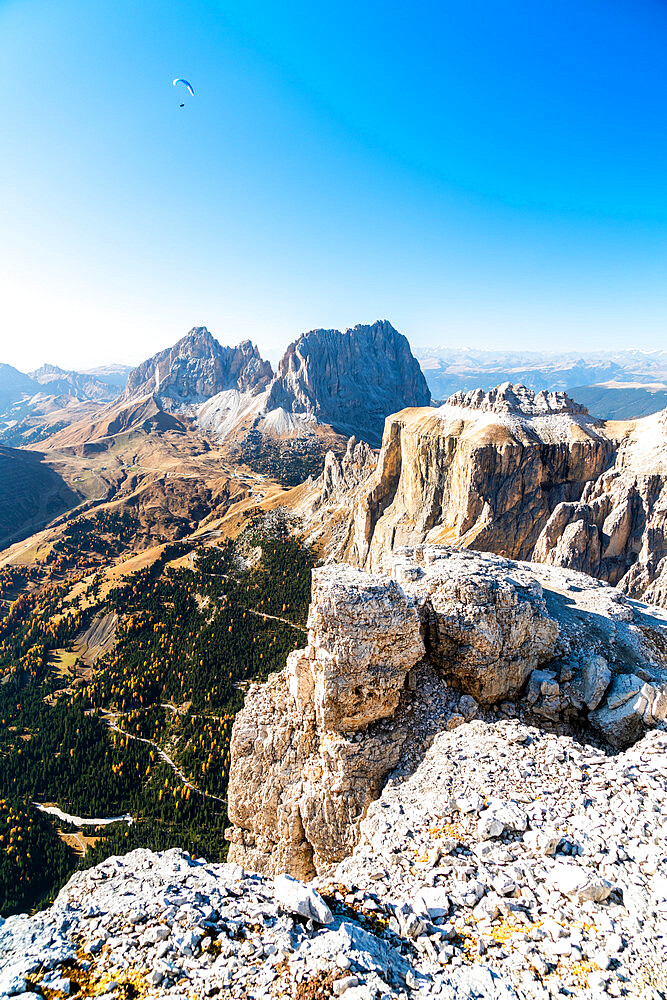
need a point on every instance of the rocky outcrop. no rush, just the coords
(161, 924)
(363, 639)
(484, 470)
(350, 380)
(504, 824)
(618, 529)
(394, 659)
(518, 401)
(196, 368)
(485, 632)
(526, 475)
(319, 725)
(341, 476)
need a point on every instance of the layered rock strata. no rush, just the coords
(526, 475)
(618, 529)
(484, 471)
(319, 725)
(394, 659)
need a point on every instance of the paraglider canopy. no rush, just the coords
(185, 84)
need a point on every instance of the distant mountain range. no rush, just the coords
(346, 381)
(33, 405)
(617, 385)
(349, 381)
(329, 385)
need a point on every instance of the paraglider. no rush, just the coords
(185, 84)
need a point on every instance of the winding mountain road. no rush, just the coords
(167, 759)
(275, 618)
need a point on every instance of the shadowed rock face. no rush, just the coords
(394, 659)
(617, 531)
(198, 367)
(350, 380)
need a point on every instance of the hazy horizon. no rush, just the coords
(421, 351)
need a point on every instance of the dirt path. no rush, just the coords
(167, 759)
(275, 618)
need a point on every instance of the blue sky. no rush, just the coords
(481, 174)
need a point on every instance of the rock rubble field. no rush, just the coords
(528, 851)
(511, 863)
(164, 925)
(458, 789)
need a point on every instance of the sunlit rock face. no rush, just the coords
(485, 470)
(310, 749)
(395, 658)
(196, 368)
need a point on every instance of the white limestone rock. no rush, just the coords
(295, 897)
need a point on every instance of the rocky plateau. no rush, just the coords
(522, 474)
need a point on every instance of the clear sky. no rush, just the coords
(480, 174)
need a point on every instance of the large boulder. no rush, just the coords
(486, 625)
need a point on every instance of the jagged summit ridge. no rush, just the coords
(350, 380)
(518, 400)
(198, 367)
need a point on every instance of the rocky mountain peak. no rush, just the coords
(47, 372)
(198, 367)
(350, 380)
(517, 400)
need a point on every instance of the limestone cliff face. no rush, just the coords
(526, 475)
(617, 531)
(349, 380)
(393, 659)
(196, 368)
(484, 470)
